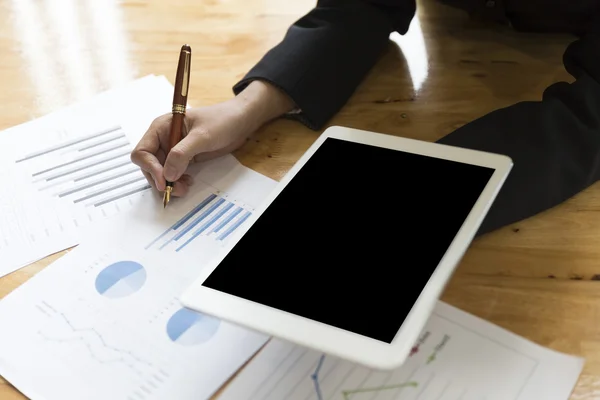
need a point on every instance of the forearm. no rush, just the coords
(326, 54)
(261, 102)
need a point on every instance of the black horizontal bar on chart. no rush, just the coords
(98, 182)
(123, 195)
(82, 158)
(100, 143)
(109, 189)
(86, 166)
(69, 143)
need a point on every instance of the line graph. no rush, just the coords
(62, 331)
(422, 339)
(437, 349)
(123, 354)
(143, 347)
(448, 361)
(315, 377)
(348, 393)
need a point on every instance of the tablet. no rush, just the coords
(351, 251)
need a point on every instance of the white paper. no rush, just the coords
(458, 357)
(67, 170)
(104, 322)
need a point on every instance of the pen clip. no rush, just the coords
(186, 74)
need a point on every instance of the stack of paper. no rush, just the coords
(104, 321)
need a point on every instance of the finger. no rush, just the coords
(161, 156)
(147, 151)
(149, 164)
(157, 171)
(152, 140)
(181, 187)
(152, 180)
(149, 178)
(180, 156)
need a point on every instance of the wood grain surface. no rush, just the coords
(539, 278)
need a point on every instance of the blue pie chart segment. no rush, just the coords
(189, 328)
(121, 279)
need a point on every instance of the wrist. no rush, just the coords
(261, 102)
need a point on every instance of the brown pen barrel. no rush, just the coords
(180, 93)
(176, 129)
(182, 81)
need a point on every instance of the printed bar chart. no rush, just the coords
(70, 169)
(214, 217)
(92, 170)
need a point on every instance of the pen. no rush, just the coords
(182, 83)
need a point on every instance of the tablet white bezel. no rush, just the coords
(329, 339)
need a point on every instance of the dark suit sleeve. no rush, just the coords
(327, 53)
(554, 142)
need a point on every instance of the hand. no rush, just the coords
(210, 132)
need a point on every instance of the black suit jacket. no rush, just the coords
(554, 143)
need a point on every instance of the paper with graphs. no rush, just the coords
(67, 170)
(457, 357)
(104, 321)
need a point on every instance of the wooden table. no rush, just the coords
(539, 278)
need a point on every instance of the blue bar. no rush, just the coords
(234, 226)
(228, 219)
(199, 207)
(199, 219)
(165, 244)
(206, 225)
(185, 244)
(183, 220)
(215, 218)
(162, 235)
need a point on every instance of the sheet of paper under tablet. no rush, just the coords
(63, 172)
(458, 357)
(103, 322)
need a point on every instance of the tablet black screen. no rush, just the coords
(354, 237)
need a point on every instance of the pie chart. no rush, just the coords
(189, 328)
(120, 279)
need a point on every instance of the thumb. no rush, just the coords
(181, 154)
